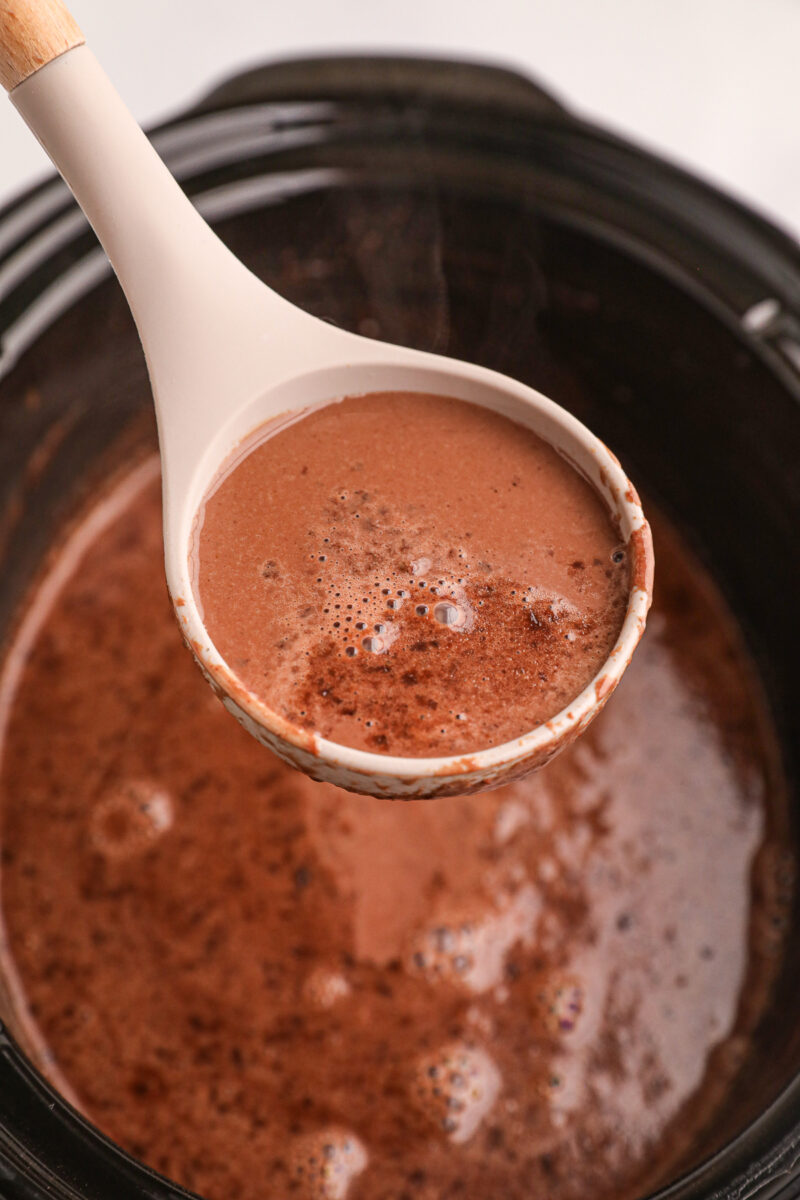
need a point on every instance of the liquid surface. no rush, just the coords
(263, 986)
(382, 569)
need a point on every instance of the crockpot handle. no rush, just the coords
(32, 34)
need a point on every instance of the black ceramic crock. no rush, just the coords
(460, 209)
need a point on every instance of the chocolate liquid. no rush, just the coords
(380, 570)
(266, 987)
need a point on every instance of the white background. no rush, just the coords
(714, 84)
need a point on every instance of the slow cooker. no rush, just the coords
(516, 235)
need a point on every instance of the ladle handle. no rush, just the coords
(32, 34)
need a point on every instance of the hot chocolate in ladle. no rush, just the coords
(225, 354)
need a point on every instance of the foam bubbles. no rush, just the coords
(323, 988)
(560, 1003)
(130, 818)
(447, 613)
(563, 1088)
(471, 953)
(323, 1164)
(455, 1088)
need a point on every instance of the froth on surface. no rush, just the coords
(264, 986)
(381, 569)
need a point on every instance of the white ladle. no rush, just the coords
(225, 354)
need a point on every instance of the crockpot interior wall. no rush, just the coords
(62, 406)
(72, 407)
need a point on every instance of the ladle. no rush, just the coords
(225, 354)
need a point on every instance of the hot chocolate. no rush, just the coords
(267, 987)
(384, 569)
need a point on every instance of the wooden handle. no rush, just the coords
(32, 33)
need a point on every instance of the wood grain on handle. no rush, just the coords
(32, 33)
